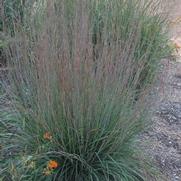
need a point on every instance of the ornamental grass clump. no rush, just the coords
(74, 106)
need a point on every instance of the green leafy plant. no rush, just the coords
(74, 110)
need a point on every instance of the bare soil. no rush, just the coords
(163, 141)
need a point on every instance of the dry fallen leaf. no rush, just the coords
(176, 43)
(176, 21)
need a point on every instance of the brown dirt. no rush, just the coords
(163, 141)
(175, 18)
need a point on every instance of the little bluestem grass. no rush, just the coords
(79, 75)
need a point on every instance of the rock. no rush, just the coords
(171, 112)
(176, 85)
(178, 76)
(178, 59)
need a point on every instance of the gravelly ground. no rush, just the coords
(163, 141)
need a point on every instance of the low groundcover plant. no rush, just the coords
(79, 75)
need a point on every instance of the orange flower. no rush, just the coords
(47, 136)
(52, 164)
